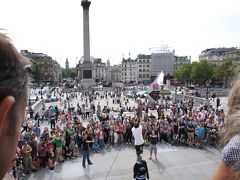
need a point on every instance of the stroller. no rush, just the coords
(199, 142)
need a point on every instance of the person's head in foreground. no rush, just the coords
(230, 164)
(13, 100)
(139, 158)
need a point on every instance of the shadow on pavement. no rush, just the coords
(161, 167)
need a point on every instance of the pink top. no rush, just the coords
(101, 135)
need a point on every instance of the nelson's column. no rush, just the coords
(86, 68)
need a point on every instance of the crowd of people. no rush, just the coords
(74, 131)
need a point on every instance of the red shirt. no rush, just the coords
(120, 128)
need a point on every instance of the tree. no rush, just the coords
(35, 71)
(68, 73)
(197, 72)
(225, 71)
(202, 71)
(184, 73)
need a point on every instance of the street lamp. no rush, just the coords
(207, 85)
(29, 94)
(175, 94)
(41, 91)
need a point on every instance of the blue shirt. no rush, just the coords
(200, 131)
(53, 110)
(37, 131)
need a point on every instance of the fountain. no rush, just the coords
(157, 87)
(158, 82)
(160, 78)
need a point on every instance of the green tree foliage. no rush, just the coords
(197, 72)
(68, 73)
(202, 71)
(184, 73)
(225, 71)
(35, 71)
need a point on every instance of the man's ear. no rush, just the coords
(5, 107)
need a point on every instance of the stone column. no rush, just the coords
(86, 66)
(86, 39)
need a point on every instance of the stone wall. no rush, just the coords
(37, 107)
(196, 100)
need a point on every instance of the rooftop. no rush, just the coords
(128, 60)
(217, 51)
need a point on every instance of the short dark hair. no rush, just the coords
(14, 70)
(136, 124)
(14, 77)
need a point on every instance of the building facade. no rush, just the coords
(162, 61)
(99, 73)
(57, 72)
(50, 70)
(215, 55)
(129, 71)
(143, 68)
(108, 71)
(179, 61)
(233, 56)
(115, 73)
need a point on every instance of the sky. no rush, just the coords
(119, 28)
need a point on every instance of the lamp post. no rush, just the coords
(207, 85)
(41, 91)
(29, 94)
(175, 94)
(46, 79)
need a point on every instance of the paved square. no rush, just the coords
(116, 163)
